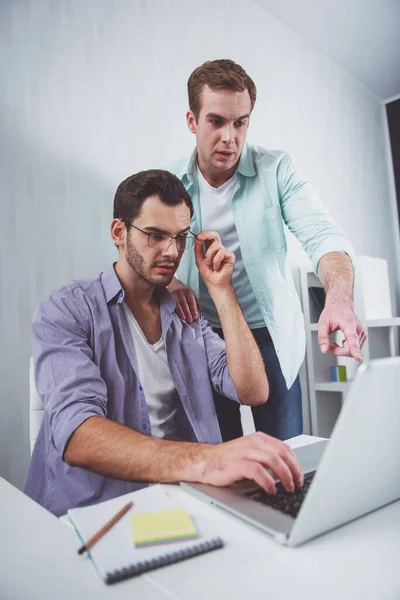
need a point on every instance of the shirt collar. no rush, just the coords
(111, 284)
(246, 164)
(245, 167)
(188, 168)
(112, 287)
(167, 301)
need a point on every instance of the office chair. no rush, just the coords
(36, 409)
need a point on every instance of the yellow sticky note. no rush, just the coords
(162, 526)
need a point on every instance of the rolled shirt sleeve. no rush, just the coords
(66, 378)
(305, 216)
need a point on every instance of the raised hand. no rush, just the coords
(215, 263)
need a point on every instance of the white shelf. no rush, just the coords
(326, 397)
(332, 386)
(391, 322)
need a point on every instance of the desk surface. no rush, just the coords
(38, 559)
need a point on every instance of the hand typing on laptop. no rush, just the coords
(249, 457)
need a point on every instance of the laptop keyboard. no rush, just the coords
(286, 502)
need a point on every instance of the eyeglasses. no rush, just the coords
(163, 241)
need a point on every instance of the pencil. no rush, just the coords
(105, 528)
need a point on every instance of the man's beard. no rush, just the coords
(137, 263)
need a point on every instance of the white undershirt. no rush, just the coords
(217, 215)
(155, 377)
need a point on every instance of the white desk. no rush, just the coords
(358, 561)
(39, 560)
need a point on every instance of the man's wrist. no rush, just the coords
(221, 295)
(196, 468)
(339, 298)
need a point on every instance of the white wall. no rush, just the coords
(95, 90)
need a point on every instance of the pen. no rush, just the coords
(105, 528)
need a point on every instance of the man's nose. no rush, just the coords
(172, 249)
(228, 134)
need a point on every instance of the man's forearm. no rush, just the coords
(245, 364)
(113, 450)
(335, 271)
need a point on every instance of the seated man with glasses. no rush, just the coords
(127, 386)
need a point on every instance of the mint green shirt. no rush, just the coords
(269, 194)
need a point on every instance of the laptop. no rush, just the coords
(353, 473)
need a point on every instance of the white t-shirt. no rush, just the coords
(217, 215)
(159, 390)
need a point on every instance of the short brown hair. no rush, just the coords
(222, 74)
(134, 190)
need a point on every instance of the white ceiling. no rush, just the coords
(362, 36)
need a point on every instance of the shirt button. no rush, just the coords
(144, 426)
(140, 388)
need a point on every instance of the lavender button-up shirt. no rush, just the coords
(85, 366)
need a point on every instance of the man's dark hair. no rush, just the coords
(134, 190)
(221, 74)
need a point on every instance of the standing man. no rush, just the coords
(248, 194)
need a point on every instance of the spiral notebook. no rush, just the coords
(115, 556)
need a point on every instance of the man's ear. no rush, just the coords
(118, 230)
(191, 121)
